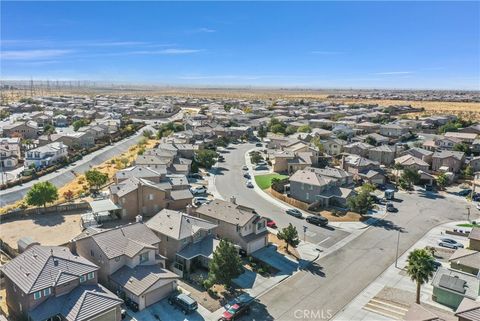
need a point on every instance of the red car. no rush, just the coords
(235, 312)
(271, 223)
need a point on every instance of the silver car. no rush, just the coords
(452, 244)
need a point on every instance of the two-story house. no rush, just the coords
(239, 224)
(46, 155)
(139, 196)
(129, 261)
(186, 240)
(25, 130)
(451, 161)
(50, 283)
(393, 130)
(327, 186)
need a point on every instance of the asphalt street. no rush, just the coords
(229, 181)
(327, 285)
(65, 175)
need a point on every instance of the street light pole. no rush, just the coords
(398, 242)
(468, 213)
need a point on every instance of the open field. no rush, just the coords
(79, 184)
(265, 181)
(464, 110)
(49, 229)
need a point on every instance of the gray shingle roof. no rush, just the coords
(139, 279)
(82, 303)
(227, 212)
(41, 267)
(177, 225)
(125, 240)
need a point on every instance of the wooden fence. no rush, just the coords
(284, 198)
(18, 214)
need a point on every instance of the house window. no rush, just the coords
(82, 278)
(260, 225)
(144, 257)
(150, 197)
(117, 259)
(47, 292)
(90, 275)
(307, 196)
(37, 295)
(91, 253)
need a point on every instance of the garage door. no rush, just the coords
(256, 245)
(156, 295)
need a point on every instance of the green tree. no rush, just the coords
(206, 158)
(147, 133)
(318, 144)
(304, 129)
(227, 107)
(420, 268)
(442, 180)
(461, 147)
(262, 132)
(79, 123)
(256, 158)
(49, 129)
(290, 130)
(225, 265)
(276, 126)
(363, 201)
(42, 193)
(370, 140)
(96, 179)
(289, 234)
(410, 176)
(468, 171)
(342, 136)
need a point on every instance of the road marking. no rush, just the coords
(323, 240)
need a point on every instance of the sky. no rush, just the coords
(380, 44)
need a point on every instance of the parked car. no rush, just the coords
(244, 299)
(429, 188)
(452, 244)
(437, 264)
(249, 184)
(195, 176)
(197, 201)
(465, 192)
(247, 175)
(391, 208)
(271, 223)
(198, 190)
(258, 145)
(294, 212)
(476, 197)
(261, 167)
(245, 167)
(183, 302)
(317, 220)
(235, 311)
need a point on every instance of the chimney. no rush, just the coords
(139, 219)
(233, 200)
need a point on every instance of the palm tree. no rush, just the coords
(420, 268)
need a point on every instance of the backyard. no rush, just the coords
(265, 181)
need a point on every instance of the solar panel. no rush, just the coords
(452, 283)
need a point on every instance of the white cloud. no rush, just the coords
(33, 54)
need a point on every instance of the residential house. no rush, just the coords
(468, 310)
(60, 121)
(474, 239)
(185, 240)
(363, 169)
(25, 130)
(139, 196)
(475, 163)
(466, 138)
(384, 154)
(465, 260)
(377, 138)
(334, 146)
(50, 283)
(237, 223)
(448, 160)
(450, 287)
(412, 162)
(358, 148)
(10, 152)
(323, 187)
(129, 261)
(423, 154)
(74, 140)
(447, 143)
(155, 175)
(47, 155)
(393, 130)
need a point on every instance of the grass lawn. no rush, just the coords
(264, 181)
(468, 225)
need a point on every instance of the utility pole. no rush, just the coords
(304, 232)
(468, 213)
(398, 242)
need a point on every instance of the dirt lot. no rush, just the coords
(51, 229)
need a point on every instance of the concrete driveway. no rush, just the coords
(279, 261)
(162, 311)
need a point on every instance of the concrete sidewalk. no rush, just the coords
(369, 305)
